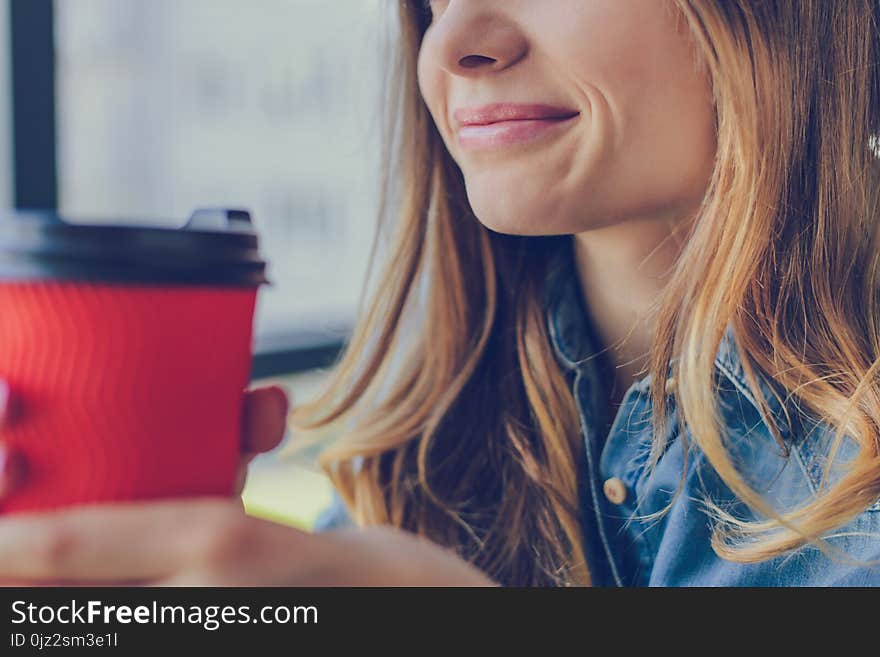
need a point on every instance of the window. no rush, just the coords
(168, 105)
(5, 113)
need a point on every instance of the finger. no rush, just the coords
(265, 419)
(120, 542)
(13, 469)
(4, 401)
(265, 558)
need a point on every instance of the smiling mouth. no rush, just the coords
(508, 133)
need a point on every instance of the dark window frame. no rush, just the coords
(32, 70)
(35, 174)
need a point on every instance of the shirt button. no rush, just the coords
(615, 490)
(670, 386)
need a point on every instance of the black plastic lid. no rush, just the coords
(215, 247)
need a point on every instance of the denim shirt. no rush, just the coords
(623, 548)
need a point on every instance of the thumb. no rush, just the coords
(265, 419)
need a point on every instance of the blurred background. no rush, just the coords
(143, 110)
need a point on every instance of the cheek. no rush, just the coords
(653, 108)
(422, 73)
(668, 125)
(432, 90)
(430, 84)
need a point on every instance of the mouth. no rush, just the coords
(508, 133)
(505, 124)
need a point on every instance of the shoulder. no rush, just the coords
(805, 444)
(787, 474)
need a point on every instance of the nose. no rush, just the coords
(474, 38)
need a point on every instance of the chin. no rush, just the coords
(519, 219)
(519, 207)
(501, 213)
(509, 225)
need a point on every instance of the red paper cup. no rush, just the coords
(128, 380)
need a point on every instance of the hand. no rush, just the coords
(211, 542)
(263, 423)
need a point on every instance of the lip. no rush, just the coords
(506, 124)
(499, 112)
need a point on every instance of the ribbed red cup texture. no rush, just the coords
(123, 391)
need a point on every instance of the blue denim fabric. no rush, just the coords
(334, 516)
(624, 549)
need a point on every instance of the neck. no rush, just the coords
(623, 270)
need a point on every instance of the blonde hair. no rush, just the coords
(450, 415)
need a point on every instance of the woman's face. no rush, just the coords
(627, 127)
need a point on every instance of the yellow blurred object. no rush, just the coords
(286, 493)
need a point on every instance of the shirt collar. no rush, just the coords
(575, 344)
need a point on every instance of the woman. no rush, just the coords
(627, 332)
